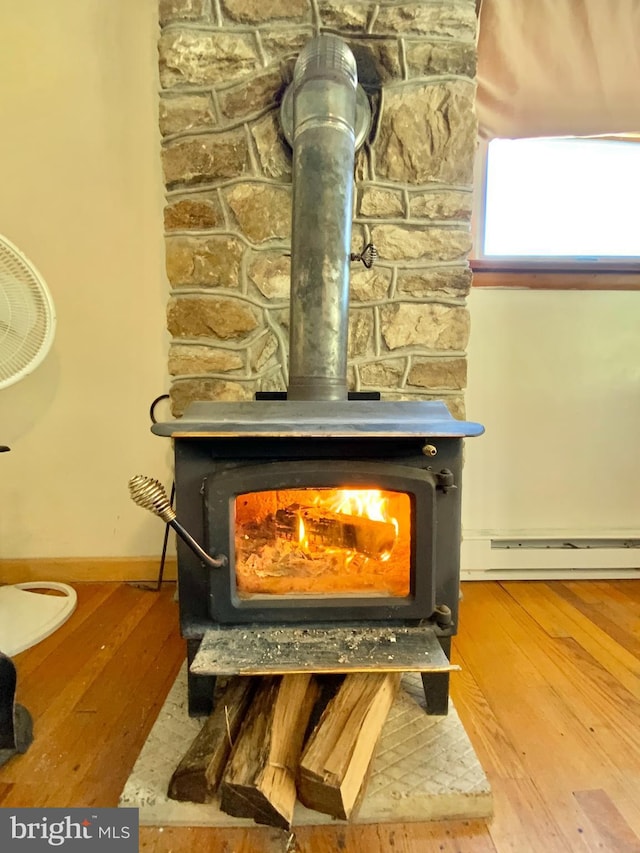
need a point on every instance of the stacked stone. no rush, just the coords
(224, 65)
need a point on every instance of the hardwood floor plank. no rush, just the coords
(585, 693)
(468, 836)
(611, 830)
(630, 590)
(575, 754)
(546, 607)
(523, 821)
(83, 654)
(130, 728)
(91, 597)
(621, 626)
(185, 838)
(100, 706)
(105, 674)
(495, 750)
(573, 671)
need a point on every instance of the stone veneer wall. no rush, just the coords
(224, 65)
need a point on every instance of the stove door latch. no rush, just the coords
(445, 480)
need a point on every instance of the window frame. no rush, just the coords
(546, 273)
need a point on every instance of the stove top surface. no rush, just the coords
(318, 418)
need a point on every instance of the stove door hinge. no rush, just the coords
(445, 480)
(442, 621)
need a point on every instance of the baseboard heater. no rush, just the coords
(564, 544)
(499, 557)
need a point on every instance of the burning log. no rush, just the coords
(321, 527)
(336, 759)
(259, 781)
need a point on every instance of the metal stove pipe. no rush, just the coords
(324, 127)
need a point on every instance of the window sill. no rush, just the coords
(556, 275)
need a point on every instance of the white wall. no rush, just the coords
(555, 378)
(81, 195)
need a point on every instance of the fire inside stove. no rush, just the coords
(323, 541)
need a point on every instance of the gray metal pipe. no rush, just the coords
(324, 123)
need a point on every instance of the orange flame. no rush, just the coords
(365, 503)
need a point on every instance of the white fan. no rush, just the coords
(27, 328)
(27, 315)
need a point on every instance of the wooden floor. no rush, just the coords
(549, 694)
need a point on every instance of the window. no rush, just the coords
(563, 204)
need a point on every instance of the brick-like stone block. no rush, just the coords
(361, 333)
(344, 17)
(273, 380)
(211, 317)
(444, 20)
(441, 205)
(255, 95)
(452, 281)
(185, 391)
(274, 154)
(378, 61)
(184, 10)
(263, 211)
(427, 59)
(182, 113)
(396, 243)
(262, 12)
(206, 158)
(445, 373)
(284, 44)
(384, 373)
(377, 202)
(453, 402)
(203, 58)
(428, 133)
(369, 285)
(185, 359)
(271, 274)
(204, 261)
(432, 326)
(193, 214)
(262, 351)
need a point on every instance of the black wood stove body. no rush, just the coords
(317, 510)
(274, 490)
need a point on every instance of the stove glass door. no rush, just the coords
(323, 541)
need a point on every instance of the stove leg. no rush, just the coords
(436, 685)
(200, 687)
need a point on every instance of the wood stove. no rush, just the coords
(321, 513)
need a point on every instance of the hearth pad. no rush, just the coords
(424, 769)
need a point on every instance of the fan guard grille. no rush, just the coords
(27, 316)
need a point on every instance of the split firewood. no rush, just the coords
(336, 759)
(197, 776)
(259, 780)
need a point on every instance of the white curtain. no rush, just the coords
(558, 67)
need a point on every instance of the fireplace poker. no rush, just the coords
(150, 494)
